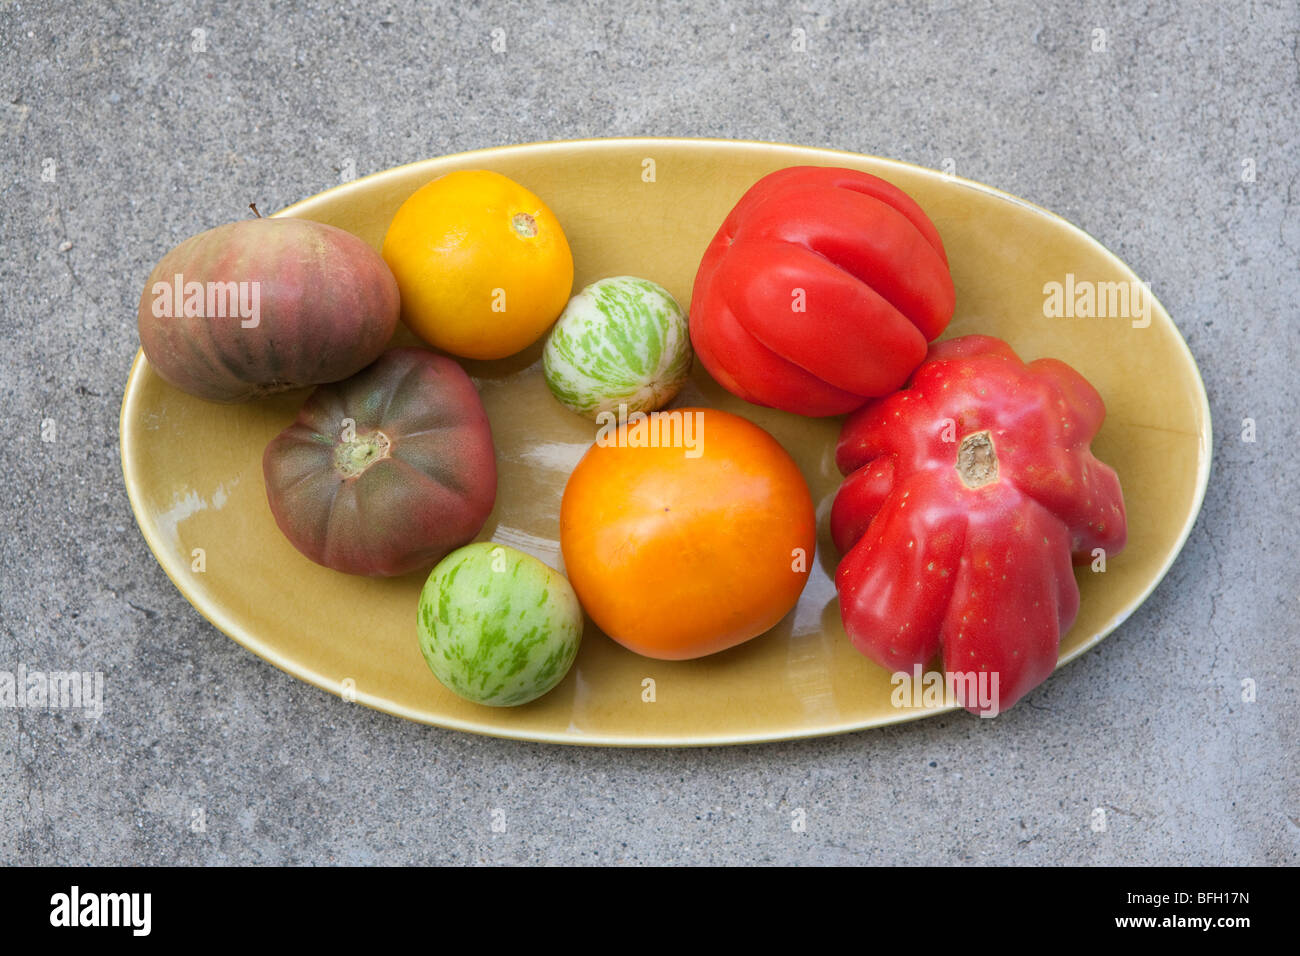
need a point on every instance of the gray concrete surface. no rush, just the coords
(1143, 144)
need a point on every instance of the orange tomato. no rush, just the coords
(691, 547)
(482, 264)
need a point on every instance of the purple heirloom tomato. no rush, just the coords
(387, 471)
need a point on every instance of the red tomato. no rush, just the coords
(820, 291)
(967, 496)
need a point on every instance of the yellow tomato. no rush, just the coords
(482, 264)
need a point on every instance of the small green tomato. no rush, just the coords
(497, 626)
(620, 341)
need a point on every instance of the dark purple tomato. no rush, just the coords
(386, 471)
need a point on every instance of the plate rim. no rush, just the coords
(218, 618)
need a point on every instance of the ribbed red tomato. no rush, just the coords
(968, 494)
(820, 291)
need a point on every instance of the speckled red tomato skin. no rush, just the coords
(982, 575)
(431, 495)
(328, 306)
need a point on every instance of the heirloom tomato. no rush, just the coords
(687, 532)
(482, 263)
(387, 471)
(262, 306)
(820, 291)
(969, 495)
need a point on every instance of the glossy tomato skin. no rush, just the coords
(820, 291)
(676, 555)
(483, 265)
(387, 471)
(968, 497)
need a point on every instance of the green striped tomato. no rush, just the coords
(620, 341)
(497, 626)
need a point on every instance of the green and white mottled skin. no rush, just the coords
(497, 626)
(620, 341)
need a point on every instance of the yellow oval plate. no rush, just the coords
(648, 207)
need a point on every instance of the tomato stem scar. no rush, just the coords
(977, 460)
(524, 224)
(352, 458)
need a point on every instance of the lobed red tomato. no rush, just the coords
(819, 291)
(968, 495)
